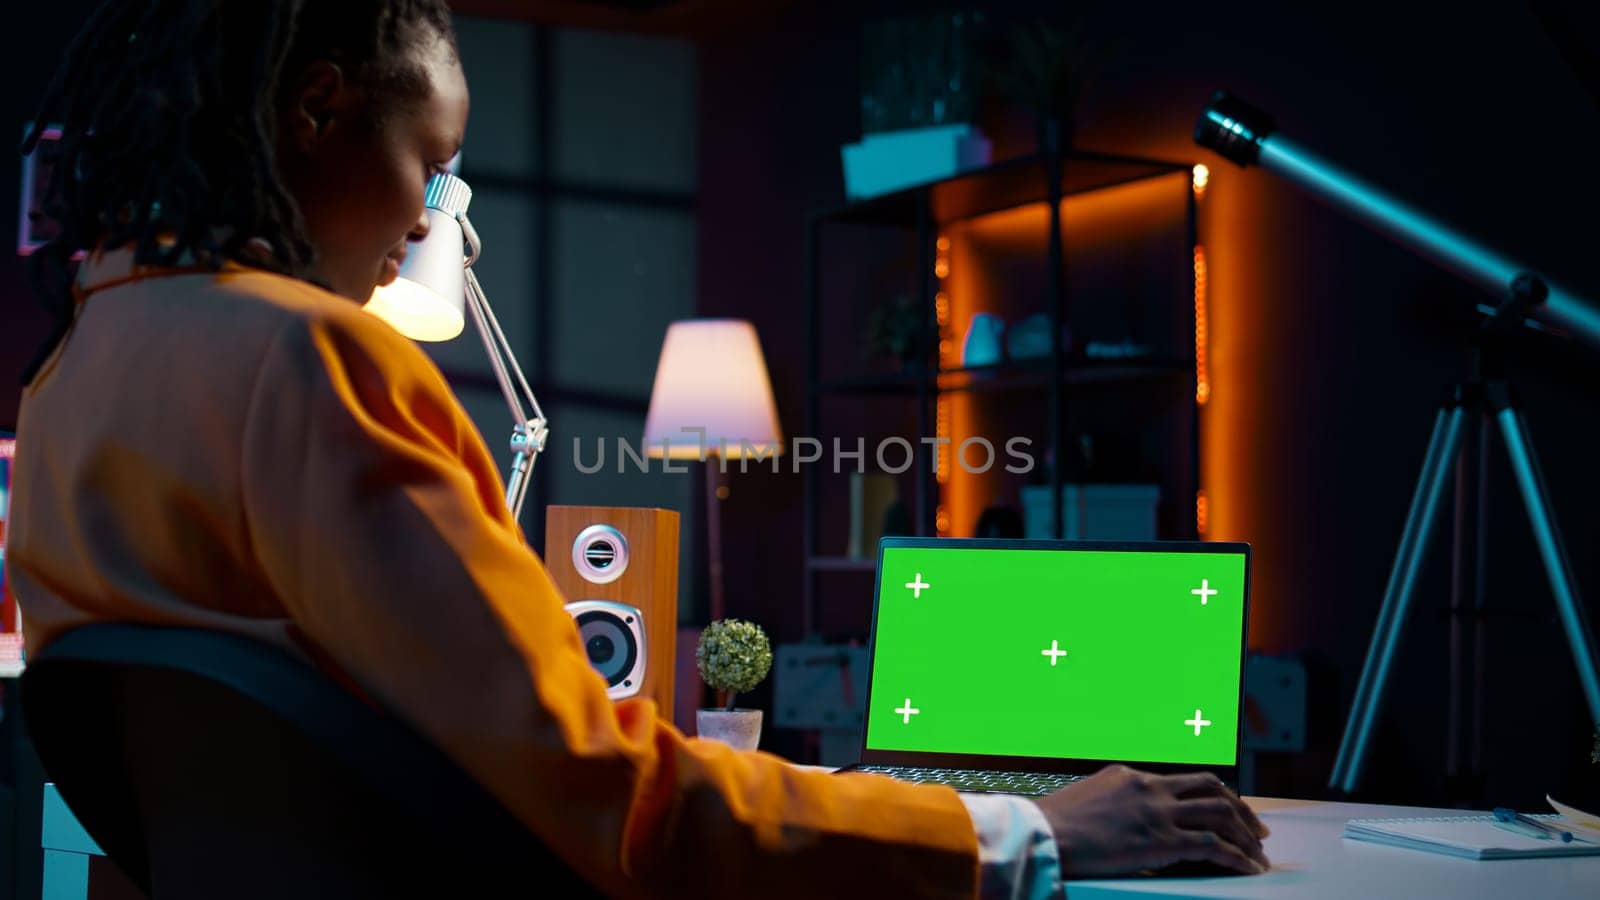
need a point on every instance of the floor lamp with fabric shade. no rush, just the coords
(712, 401)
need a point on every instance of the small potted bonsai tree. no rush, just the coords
(733, 657)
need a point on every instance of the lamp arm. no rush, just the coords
(529, 433)
(469, 236)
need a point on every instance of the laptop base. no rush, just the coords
(977, 781)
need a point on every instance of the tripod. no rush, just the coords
(1475, 401)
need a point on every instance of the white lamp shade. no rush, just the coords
(428, 301)
(712, 376)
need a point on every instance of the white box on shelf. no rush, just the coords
(11, 658)
(820, 686)
(894, 160)
(1093, 512)
(1275, 698)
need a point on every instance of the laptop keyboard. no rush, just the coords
(979, 781)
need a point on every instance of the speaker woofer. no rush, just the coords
(613, 639)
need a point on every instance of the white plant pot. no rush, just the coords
(738, 728)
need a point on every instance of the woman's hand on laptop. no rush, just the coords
(1120, 820)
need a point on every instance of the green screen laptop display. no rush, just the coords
(1077, 654)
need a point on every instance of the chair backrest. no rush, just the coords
(210, 765)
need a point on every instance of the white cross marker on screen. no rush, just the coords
(1054, 653)
(1204, 591)
(917, 586)
(1197, 722)
(908, 711)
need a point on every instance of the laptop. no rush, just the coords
(1020, 666)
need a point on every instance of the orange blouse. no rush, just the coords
(244, 451)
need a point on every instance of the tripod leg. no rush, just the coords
(1460, 623)
(1420, 520)
(1545, 531)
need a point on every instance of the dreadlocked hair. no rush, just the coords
(167, 111)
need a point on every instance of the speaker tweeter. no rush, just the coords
(600, 554)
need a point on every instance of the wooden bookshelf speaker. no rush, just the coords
(618, 568)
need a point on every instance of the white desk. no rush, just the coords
(1311, 861)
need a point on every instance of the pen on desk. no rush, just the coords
(1542, 830)
(1516, 827)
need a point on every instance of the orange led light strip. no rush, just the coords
(1202, 377)
(947, 356)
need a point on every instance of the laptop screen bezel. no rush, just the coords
(1050, 764)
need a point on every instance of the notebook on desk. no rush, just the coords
(1470, 837)
(1019, 666)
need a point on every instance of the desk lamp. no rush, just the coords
(712, 401)
(436, 290)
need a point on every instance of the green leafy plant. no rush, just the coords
(733, 657)
(922, 70)
(1044, 68)
(893, 328)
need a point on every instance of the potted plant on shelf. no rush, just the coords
(1043, 68)
(894, 330)
(733, 657)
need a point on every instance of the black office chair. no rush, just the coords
(208, 765)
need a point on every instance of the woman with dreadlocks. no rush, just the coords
(218, 436)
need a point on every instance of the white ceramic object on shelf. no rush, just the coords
(985, 338)
(1093, 512)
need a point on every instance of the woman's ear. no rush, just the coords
(315, 104)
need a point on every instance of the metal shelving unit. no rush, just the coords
(1047, 178)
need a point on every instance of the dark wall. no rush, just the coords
(29, 64)
(1331, 346)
